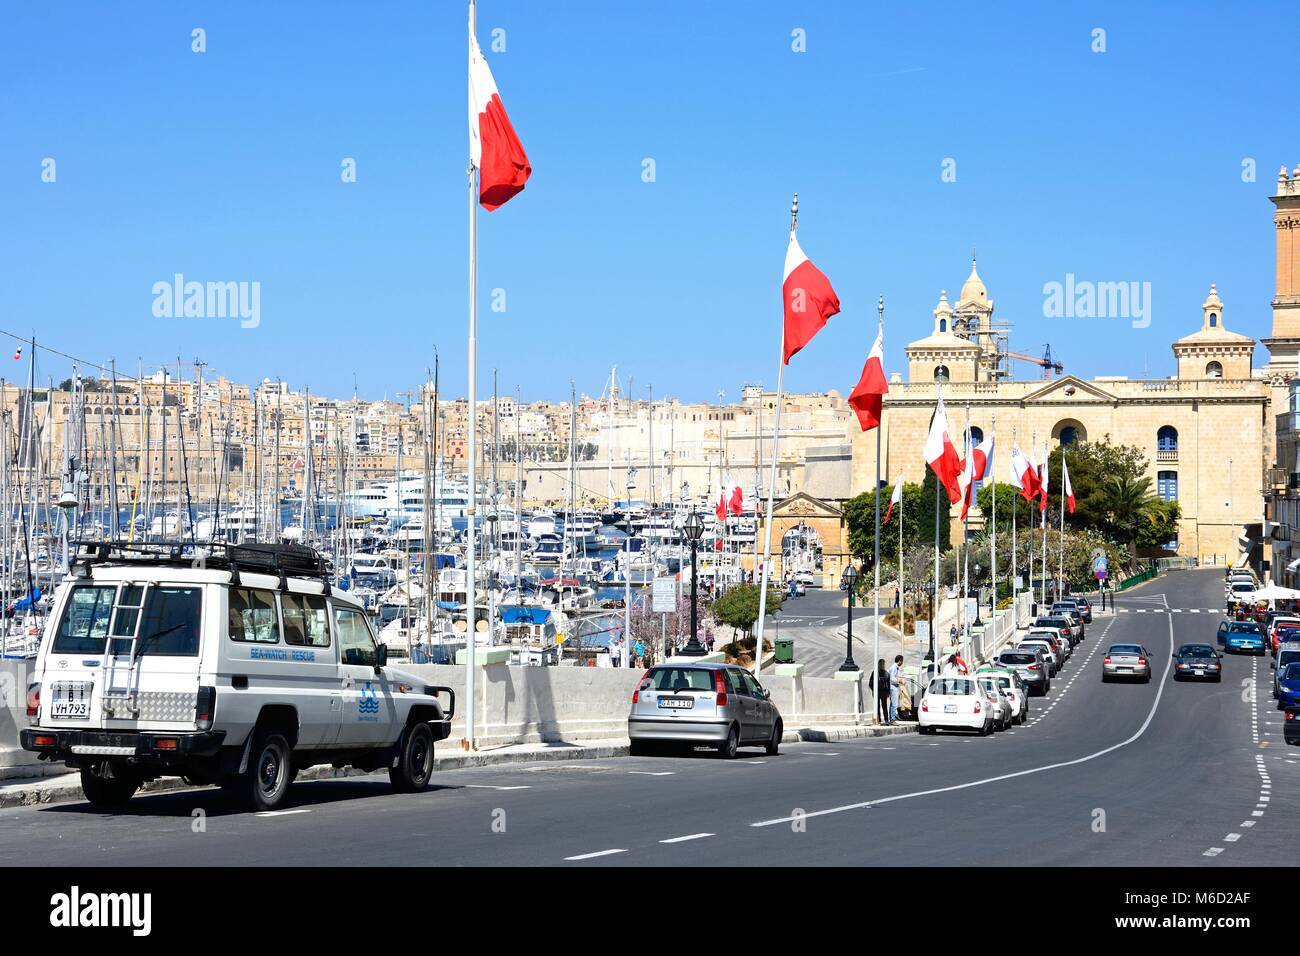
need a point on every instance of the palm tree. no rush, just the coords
(1129, 503)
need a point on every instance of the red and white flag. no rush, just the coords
(942, 457)
(868, 396)
(720, 509)
(894, 499)
(735, 497)
(1023, 474)
(808, 298)
(1065, 483)
(493, 145)
(978, 461)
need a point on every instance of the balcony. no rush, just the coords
(1166, 456)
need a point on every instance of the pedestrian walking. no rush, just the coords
(897, 597)
(895, 679)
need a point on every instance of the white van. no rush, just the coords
(240, 668)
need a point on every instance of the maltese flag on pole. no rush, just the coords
(942, 457)
(1023, 474)
(894, 499)
(1065, 479)
(868, 396)
(808, 298)
(493, 145)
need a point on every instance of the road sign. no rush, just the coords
(922, 631)
(1099, 565)
(664, 596)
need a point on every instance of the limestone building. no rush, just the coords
(1208, 431)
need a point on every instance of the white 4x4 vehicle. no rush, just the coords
(239, 669)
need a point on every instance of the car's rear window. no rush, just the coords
(1196, 650)
(951, 687)
(1244, 627)
(1018, 658)
(1124, 649)
(680, 678)
(84, 625)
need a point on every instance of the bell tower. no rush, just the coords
(1284, 342)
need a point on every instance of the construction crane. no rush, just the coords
(1046, 363)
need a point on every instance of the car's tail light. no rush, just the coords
(1107, 660)
(1290, 716)
(166, 743)
(49, 740)
(636, 694)
(977, 707)
(1142, 661)
(205, 708)
(925, 706)
(720, 685)
(1033, 667)
(33, 700)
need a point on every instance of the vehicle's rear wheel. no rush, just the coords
(774, 745)
(108, 785)
(729, 746)
(264, 785)
(414, 760)
(638, 748)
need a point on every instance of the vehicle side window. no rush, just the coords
(736, 682)
(252, 616)
(305, 620)
(84, 624)
(356, 646)
(752, 687)
(171, 622)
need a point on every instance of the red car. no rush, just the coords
(1284, 629)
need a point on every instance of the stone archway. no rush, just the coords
(813, 519)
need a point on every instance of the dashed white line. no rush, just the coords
(592, 856)
(281, 813)
(684, 839)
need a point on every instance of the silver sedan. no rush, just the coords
(1126, 660)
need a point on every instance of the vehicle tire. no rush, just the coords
(727, 751)
(414, 760)
(640, 748)
(774, 745)
(1147, 678)
(264, 785)
(1105, 678)
(108, 786)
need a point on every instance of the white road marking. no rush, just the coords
(683, 839)
(1232, 837)
(484, 786)
(592, 856)
(1256, 813)
(653, 773)
(1247, 823)
(281, 813)
(1213, 851)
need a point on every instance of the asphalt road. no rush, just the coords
(1166, 773)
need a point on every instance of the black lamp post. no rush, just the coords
(977, 622)
(847, 580)
(694, 528)
(929, 591)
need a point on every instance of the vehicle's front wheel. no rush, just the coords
(106, 785)
(264, 785)
(774, 745)
(414, 761)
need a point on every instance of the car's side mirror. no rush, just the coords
(381, 656)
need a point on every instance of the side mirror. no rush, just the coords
(381, 656)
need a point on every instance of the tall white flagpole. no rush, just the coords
(471, 534)
(991, 470)
(965, 539)
(875, 654)
(1047, 481)
(1060, 573)
(1015, 505)
(902, 594)
(771, 484)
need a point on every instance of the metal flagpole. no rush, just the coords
(1060, 572)
(1033, 597)
(934, 634)
(964, 615)
(1047, 480)
(875, 654)
(1015, 506)
(472, 509)
(993, 533)
(771, 485)
(902, 593)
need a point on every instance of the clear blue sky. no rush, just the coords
(1124, 165)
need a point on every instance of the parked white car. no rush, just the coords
(956, 703)
(998, 701)
(1015, 689)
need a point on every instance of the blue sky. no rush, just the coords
(1117, 166)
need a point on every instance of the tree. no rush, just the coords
(738, 607)
(1092, 466)
(916, 512)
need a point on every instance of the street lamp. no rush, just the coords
(847, 580)
(929, 590)
(977, 622)
(693, 528)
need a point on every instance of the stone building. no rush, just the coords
(1208, 431)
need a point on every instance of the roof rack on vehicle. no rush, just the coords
(252, 556)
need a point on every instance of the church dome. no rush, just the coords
(973, 290)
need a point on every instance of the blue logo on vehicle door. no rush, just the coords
(368, 705)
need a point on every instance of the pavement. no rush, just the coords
(817, 622)
(1165, 773)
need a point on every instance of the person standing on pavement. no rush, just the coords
(895, 679)
(880, 684)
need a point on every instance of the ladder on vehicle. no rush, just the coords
(122, 696)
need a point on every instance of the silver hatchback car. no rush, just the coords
(1126, 660)
(716, 705)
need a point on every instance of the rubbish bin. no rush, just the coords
(784, 650)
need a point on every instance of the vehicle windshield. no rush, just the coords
(1292, 671)
(169, 628)
(680, 678)
(1196, 650)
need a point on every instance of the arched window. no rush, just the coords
(1167, 438)
(943, 325)
(1214, 370)
(1069, 435)
(941, 373)
(1214, 319)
